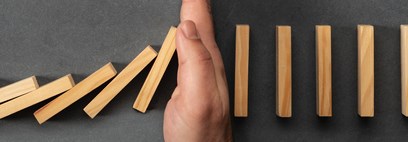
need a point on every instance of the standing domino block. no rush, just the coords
(17, 89)
(241, 71)
(323, 71)
(120, 81)
(156, 73)
(283, 71)
(77, 92)
(43, 93)
(404, 69)
(365, 70)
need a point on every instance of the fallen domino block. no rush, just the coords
(84, 87)
(324, 71)
(120, 81)
(157, 71)
(365, 70)
(283, 71)
(18, 88)
(404, 70)
(241, 71)
(43, 93)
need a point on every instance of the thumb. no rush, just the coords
(196, 69)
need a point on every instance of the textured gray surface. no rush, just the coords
(50, 38)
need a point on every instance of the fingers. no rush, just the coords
(196, 68)
(198, 11)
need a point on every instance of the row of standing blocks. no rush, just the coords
(365, 35)
(27, 92)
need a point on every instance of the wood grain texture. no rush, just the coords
(323, 71)
(156, 73)
(283, 71)
(84, 87)
(404, 70)
(18, 88)
(365, 70)
(43, 93)
(120, 81)
(241, 71)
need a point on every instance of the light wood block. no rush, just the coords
(18, 88)
(283, 71)
(84, 87)
(156, 73)
(120, 81)
(241, 71)
(404, 69)
(43, 93)
(365, 70)
(323, 71)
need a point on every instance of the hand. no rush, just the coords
(199, 107)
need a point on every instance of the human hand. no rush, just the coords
(199, 107)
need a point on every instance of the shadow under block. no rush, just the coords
(84, 87)
(323, 71)
(120, 81)
(43, 93)
(157, 71)
(241, 71)
(283, 71)
(18, 88)
(404, 69)
(365, 70)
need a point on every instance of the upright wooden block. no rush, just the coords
(404, 69)
(365, 70)
(43, 93)
(77, 92)
(241, 71)
(323, 71)
(120, 81)
(283, 71)
(17, 89)
(156, 73)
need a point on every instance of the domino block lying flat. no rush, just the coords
(17, 89)
(365, 70)
(120, 81)
(241, 71)
(157, 71)
(323, 71)
(404, 69)
(283, 71)
(77, 92)
(45, 92)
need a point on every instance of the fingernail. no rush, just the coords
(189, 30)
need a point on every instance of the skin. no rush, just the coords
(198, 110)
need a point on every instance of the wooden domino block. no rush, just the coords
(43, 93)
(404, 69)
(365, 70)
(241, 71)
(283, 71)
(77, 92)
(120, 81)
(156, 73)
(17, 89)
(323, 71)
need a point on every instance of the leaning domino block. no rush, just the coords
(156, 73)
(43, 93)
(120, 81)
(17, 89)
(77, 92)
(283, 71)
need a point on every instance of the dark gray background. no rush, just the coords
(51, 38)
